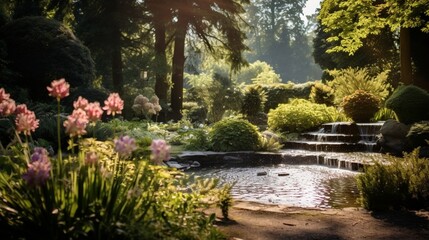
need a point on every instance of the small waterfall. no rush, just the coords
(334, 127)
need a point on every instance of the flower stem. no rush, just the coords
(60, 158)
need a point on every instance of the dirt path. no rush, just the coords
(253, 221)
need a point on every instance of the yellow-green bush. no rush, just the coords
(322, 94)
(301, 115)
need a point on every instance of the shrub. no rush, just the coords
(39, 50)
(395, 184)
(410, 104)
(253, 101)
(347, 81)
(233, 134)
(360, 106)
(419, 134)
(322, 94)
(300, 115)
(283, 92)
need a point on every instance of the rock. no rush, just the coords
(393, 137)
(261, 173)
(283, 174)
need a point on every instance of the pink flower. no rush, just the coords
(3, 95)
(80, 103)
(125, 145)
(76, 123)
(114, 104)
(21, 108)
(59, 89)
(38, 169)
(160, 151)
(7, 107)
(94, 111)
(91, 158)
(26, 122)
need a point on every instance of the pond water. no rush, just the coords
(301, 185)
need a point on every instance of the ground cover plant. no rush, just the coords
(98, 190)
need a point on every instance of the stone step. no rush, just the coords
(335, 137)
(360, 146)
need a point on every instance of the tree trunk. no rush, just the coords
(116, 50)
(405, 52)
(161, 84)
(178, 66)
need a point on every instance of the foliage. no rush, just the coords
(322, 94)
(410, 103)
(233, 134)
(419, 134)
(217, 93)
(270, 144)
(301, 115)
(257, 72)
(396, 183)
(39, 50)
(347, 81)
(194, 112)
(357, 20)
(282, 92)
(360, 106)
(384, 114)
(225, 199)
(197, 140)
(253, 100)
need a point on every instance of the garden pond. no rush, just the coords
(289, 184)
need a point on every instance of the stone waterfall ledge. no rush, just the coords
(347, 161)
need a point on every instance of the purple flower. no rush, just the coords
(160, 151)
(38, 168)
(125, 145)
(39, 154)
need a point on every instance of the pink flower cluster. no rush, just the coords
(114, 104)
(25, 120)
(91, 158)
(160, 151)
(38, 169)
(59, 89)
(125, 145)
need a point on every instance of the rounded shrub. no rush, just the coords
(300, 115)
(360, 106)
(233, 134)
(410, 103)
(40, 50)
(322, 94)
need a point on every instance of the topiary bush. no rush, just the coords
(322, 94)
(402, 182)
(253, 101)
(233, 134)
(301, 115)
(40, 50)
(360, 106)
(410, 104)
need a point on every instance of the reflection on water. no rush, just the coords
(305, 186)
